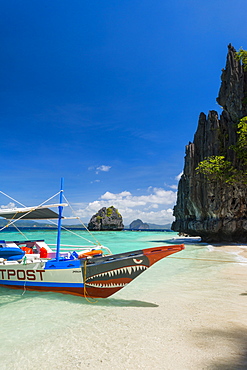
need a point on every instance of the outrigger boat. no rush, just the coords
(86, 271)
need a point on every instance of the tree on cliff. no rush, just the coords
(241, 55)
(218, 168)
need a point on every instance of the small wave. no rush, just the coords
(241, 259)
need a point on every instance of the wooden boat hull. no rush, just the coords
(96, 277)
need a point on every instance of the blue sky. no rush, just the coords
(107, 94)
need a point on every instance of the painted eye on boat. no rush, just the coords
(137, 261)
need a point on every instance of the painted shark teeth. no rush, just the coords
(111, 285)
(122, 270)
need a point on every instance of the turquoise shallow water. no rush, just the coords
(49, 324)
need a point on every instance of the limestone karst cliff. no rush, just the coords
(214, 210)
(106, 219)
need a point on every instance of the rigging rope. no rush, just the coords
(72, 232)
(98, 243)
(9, 222)
(20, 231)
(12, 198)
(204, 259)
(86, 295)
(13, 221)
(17, 219)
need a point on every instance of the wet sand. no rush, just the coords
(237, 249)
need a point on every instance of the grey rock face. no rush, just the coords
(233, 87)
(106, 219)
(213, 210)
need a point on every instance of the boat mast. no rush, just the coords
(60, 211)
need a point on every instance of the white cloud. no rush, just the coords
(103, 168)
(98, 169)
(178, 177)
(111, 196)
(108, 196)
(154, 207)
(10, 205)
(173, 187)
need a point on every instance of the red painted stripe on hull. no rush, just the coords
(156, 254)
(101, 292)
(91, 292)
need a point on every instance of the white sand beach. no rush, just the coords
(187, 312)
(184, 313)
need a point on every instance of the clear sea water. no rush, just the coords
(54, 331)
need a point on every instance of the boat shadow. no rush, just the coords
(186, 241)
(113, 302)
(104, 302)
(10, 296)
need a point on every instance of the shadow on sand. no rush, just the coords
(237, 338)
(9, 296)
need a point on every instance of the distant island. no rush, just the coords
(135, 225)
(39, 225)
(140, 225)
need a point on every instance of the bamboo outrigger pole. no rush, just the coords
(60, 211)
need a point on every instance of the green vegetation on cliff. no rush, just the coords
(110, 210)
(241, 55)
(218, 168)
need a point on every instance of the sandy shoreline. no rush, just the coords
(237, 249)
(234, 248)
(198, 322)
(180, 315)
